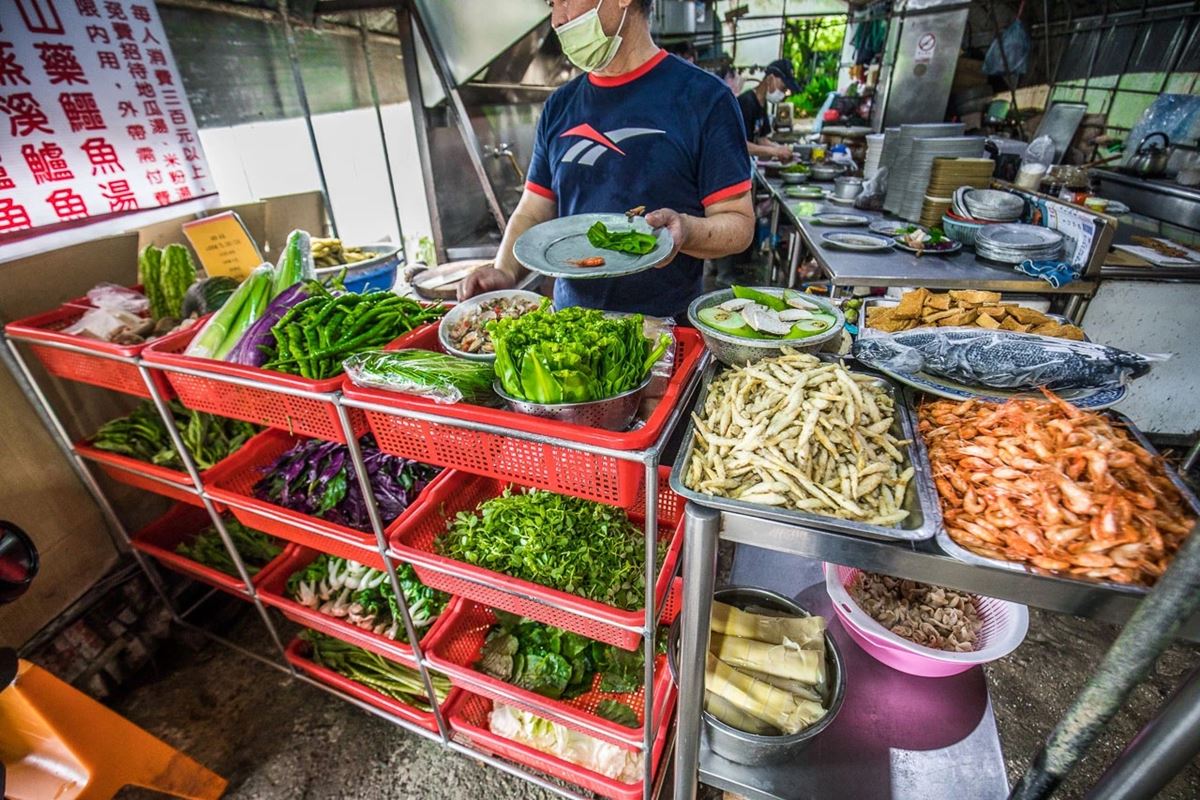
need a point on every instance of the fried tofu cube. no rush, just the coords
(911, 304)
(964, 317)
(1050, 328)
(1011, 324)
(975, 298)
(939, 302)
(1071, 332)
(937, 316)
(986, 321)
(1029, 316)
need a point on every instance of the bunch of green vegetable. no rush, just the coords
(629, 241)
(578, 546)
(576, 355)
(142, 435)
(363, 596)
(374, 671)
(250, 301)
(255, 547)
(560, 664)
(442, 377)
(317, 334)
(165, 276)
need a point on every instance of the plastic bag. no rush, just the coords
(106, 323)
(1039, 151)
(440, 377)
(118, 298)
(1014, 60)
(874, 189)
(1004, 359)
(664, 368)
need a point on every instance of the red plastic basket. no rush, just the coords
(412, 541)
(165, 481)
(273, 592)
(298, 654)
(265, 404)
(182, 523)
(559, 469)
(454, 650)
(96, 367)
(232, 483)
(468, 717)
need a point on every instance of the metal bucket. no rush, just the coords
(611, 414)
(750, 748)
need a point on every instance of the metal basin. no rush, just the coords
(738, 350)
(612, 413)
(751, 748)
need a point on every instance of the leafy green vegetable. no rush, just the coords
(629, 241)
(142, 435)
(578, 546)
(617, 712)
(206, 296)
(255, 547)
(444, 378)
(225, 327)
(374, 671)
(575, 355)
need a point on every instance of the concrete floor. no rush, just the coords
(275, 738)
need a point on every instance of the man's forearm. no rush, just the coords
(506, 262)
(718, 235)
(759, 149)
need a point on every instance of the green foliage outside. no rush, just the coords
(814, 46)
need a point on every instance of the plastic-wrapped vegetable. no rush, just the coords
(295, 263)
(1003, 359)
(255, 344)
(440, 377)
(226, 326)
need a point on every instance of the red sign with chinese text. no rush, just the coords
(93, 117)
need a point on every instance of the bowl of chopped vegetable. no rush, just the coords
(775, 677)
(744, 324)
(463, 331)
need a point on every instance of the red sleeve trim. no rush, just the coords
(726, 193)
(540, 190)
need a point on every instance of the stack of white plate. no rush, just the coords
(992, 205)
(874, 155)
(1013, 243)
(891, 137)
(900, 166)
(922, 152)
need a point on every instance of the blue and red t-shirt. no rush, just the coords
(666, 135)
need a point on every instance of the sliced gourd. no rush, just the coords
(726, 321)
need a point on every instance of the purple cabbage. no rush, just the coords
(317, 478)
(256, 343)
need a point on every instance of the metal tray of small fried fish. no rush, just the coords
(957, 551)
(921, 501)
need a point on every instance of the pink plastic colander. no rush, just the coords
(1004, 627)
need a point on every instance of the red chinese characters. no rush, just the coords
(67, 204)
(60, 63)
(40, 16)
(11, 73)
(108, 59)
(25, 115)
(102, 155)
(145, 155)
(120, 197)
(46, 163)
(13, 217)
(5, 181)
(82, 112)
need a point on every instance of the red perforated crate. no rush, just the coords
(232, 482)
(97, 366)
(160, 538)
(166, 481)
(273, 592)
(528, 463)
(458, 491)
(468, 717)
(454, 650)
(298, 653)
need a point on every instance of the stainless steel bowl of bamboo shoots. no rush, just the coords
(743, 747)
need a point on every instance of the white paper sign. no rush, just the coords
(93, 116)
(926, 47)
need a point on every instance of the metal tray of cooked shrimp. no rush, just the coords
(957, 551)
(920, 500)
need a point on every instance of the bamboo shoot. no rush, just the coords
(734, 717)
(781, 660)
(762, 700)
(731, 621)
(801, 690)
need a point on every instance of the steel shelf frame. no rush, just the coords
(649, 458)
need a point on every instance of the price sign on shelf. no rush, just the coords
(94, 120)
(224, 245)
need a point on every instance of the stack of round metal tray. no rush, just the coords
(1013, 243)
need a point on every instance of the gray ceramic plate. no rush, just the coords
(546, 248)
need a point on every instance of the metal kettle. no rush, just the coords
(1150, 159)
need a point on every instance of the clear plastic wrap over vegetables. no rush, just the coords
(1004, 359)
(316, 478)
(440, 377)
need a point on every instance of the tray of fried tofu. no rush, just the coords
(920, 308)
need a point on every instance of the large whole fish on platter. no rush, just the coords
(1003, 359)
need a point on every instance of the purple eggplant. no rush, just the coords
(257, 342)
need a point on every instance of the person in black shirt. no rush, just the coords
(778, 82)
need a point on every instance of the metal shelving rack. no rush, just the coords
(649, 458)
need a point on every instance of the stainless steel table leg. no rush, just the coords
(774, 231)
(1159, 751)
(702, 528)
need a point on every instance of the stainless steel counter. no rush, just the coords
(963, 270)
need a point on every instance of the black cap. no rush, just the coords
(783, 68)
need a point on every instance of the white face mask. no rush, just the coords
(584, 42)
(775, 96)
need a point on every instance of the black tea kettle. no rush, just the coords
(1150, 159)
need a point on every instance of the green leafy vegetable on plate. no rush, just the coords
(630, 241)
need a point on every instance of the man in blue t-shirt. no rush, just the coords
(639, 128)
